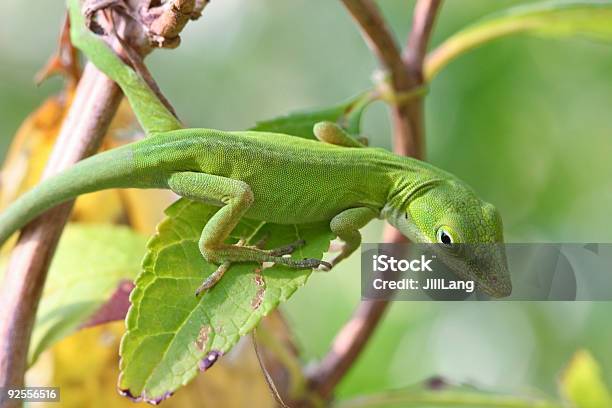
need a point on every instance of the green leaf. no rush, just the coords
(90, 263)
(588, 18)
(438, 394)
(171, 334)
(300, 124)
(582, 384)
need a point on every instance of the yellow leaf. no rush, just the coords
(30, 148)
(581, 383)
(86, 365)
(29, 152)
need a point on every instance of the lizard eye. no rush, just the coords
(444, 237)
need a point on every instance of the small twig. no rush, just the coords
(64, 61)
(408, 135)
(136, 61)
(267, 376)
(165, 22)
(408, 119)
(380, 40)
(425, 13)
(347, 345)
(283, 354)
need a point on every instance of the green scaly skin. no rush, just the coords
(276, 178)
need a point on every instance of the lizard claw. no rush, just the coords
(277, 257)
(314, 264)
(213, 278)
(287, 249)
(325, 267)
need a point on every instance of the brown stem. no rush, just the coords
(347, 346)
(425, 13)
(95, 102)
(408, 124)
(408, 136)
(379, 38)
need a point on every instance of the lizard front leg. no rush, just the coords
(235, 198)
(346, 226)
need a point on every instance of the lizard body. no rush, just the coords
(261, 160)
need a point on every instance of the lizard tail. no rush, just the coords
(111, 169)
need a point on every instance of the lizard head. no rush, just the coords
(447, 212)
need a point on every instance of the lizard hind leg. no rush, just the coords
(332, 133)
(236, 197)
(216, 276)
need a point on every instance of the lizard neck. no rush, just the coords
(412, 180)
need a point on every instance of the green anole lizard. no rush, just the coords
(275, 178)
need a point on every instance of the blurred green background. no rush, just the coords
(525, 121)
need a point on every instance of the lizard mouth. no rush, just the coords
(484, 265)
(494, 276)
(497, 290)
